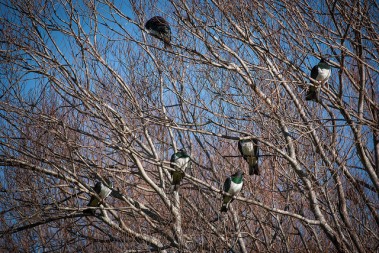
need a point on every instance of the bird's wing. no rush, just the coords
(314, 72)
(173, 160)
(240, 147)
(94, 202)
(159, 21)
(97, 187)
(158, 24)
(165, 29)
(227, 184)
(256, 148)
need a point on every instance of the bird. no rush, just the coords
(321, 73)
(250, 151)
(103, 191)
(180, 162)
(159, 28)
(232, 186)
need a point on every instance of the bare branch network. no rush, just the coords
(189, 126)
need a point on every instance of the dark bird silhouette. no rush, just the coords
(159, 28)
(180, 162)
(250, 151)
(103, 191)
(321, 73)
(232, 186)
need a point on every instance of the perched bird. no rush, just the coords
(250, 151)
(103, 191)
(232, 186)
(179, 162)
(159, 28)
(321, 73)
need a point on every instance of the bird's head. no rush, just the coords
(239, 173)
(245, 136)
(183, 151)
(109, 183)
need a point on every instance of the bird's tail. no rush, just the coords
(312, 94)
(176, 187)
(253, 169)
(224, 207)
(89, 211)
(167, 45)
(177, 177)
(226, 200)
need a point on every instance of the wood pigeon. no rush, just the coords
(103, 191)
(159, 28)
(250, 151)
(232, 186)
(179, 162)
(321, 73)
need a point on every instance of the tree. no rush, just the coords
(87, 95)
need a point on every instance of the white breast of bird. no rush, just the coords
(182, 162)
(105, 191)
(323, 74)
(247, 147)
(235, 188)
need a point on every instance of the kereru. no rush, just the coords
(159, 28)
(180, 162)
(250, 151)
(103, 191)
(321, 73)
(233, 186)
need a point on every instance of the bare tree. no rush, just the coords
(87, 95)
